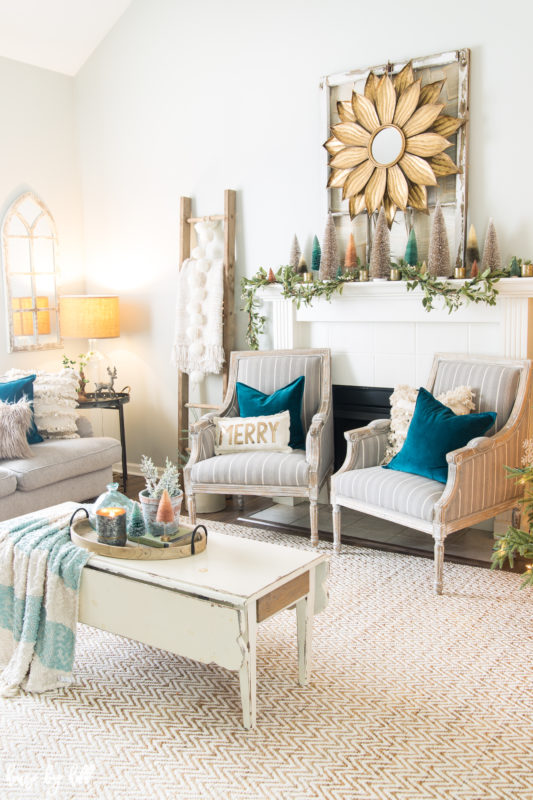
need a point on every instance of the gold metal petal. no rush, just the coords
(390, 210)
(375, 189)
(345, 111)
(349, 157)
(442, 164)
(418, 198)
(426, 144)
(407, 103)
(358, 179)
(422, 119)
(404, 78)
(333, 145)
(417, 170)
(430, 92)
(351, 133)
(366, 113)
(356, 204)
(371, 86)
(337, 178)
(397, 186)
(447, 126)
(385, 100)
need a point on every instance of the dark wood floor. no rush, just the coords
(472, 546)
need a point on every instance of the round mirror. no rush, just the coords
(387, 146)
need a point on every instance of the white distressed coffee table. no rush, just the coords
(207, 607)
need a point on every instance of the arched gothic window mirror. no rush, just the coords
(29, 249)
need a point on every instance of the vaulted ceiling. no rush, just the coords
(56, 34)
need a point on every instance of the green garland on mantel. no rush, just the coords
(480, 289)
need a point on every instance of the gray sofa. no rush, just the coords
(59, 470)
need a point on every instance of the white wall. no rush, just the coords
(191, 98)
(39, 152)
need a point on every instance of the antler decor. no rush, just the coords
(389, 145)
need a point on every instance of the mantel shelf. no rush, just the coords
(506, 287)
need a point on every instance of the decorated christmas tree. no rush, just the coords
(380, 255)
(439, 251)
(411, 251)
(350, 256)
(491, 251)
(330, 259)
(316, 254)
(472, 248)
(296, 252)
(136, 526)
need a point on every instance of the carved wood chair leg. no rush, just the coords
(313, 514)
(439, 562)
(191, 506)
(337, 528)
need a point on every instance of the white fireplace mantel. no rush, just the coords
(380, 333)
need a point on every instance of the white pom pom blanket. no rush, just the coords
(198, 346)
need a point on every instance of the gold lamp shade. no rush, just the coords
(89, 316)
(23, 322)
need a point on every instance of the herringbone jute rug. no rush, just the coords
(412, 697)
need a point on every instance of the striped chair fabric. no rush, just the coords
(494, 386)
(275, 371)
(254, 468)
(395, 491)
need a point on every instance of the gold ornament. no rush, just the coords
(390, 143)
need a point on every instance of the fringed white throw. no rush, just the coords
(198, 346)
(40, 573)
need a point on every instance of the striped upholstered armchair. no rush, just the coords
(477, 487)
(300, 473)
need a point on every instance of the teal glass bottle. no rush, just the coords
(112, 498)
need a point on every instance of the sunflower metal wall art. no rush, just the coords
(390, 144)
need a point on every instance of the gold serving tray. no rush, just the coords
(84, 535)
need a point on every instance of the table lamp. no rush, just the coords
(89, 316)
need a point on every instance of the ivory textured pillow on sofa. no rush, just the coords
(15, 422)
(55, 402)
(403, 401)
(238, 434)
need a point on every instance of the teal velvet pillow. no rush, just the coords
(12, 391)
(434, 431)
(253, 403)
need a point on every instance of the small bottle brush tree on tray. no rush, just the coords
(517, 541)
(136, 522)
(380, 255)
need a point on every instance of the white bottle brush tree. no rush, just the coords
(380, 255)
(296, 252)
(439, 251)
(492, 259)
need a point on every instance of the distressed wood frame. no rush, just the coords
(462, 57)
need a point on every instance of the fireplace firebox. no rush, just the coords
(355, 407)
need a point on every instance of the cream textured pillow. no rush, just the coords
(403, 401)
(55, 402)
(15, 421)
(238, 434)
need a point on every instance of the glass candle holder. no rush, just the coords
(395, 274)
(111, 525)
(363, 274)
(459, 272)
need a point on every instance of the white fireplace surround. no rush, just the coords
(381, 335)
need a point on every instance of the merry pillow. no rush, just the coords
(238, 434)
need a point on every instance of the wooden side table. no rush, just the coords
(115, 402)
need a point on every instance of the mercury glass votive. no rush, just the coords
(459, 272)
(111, 525)
(363, 274)
(395, 274)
